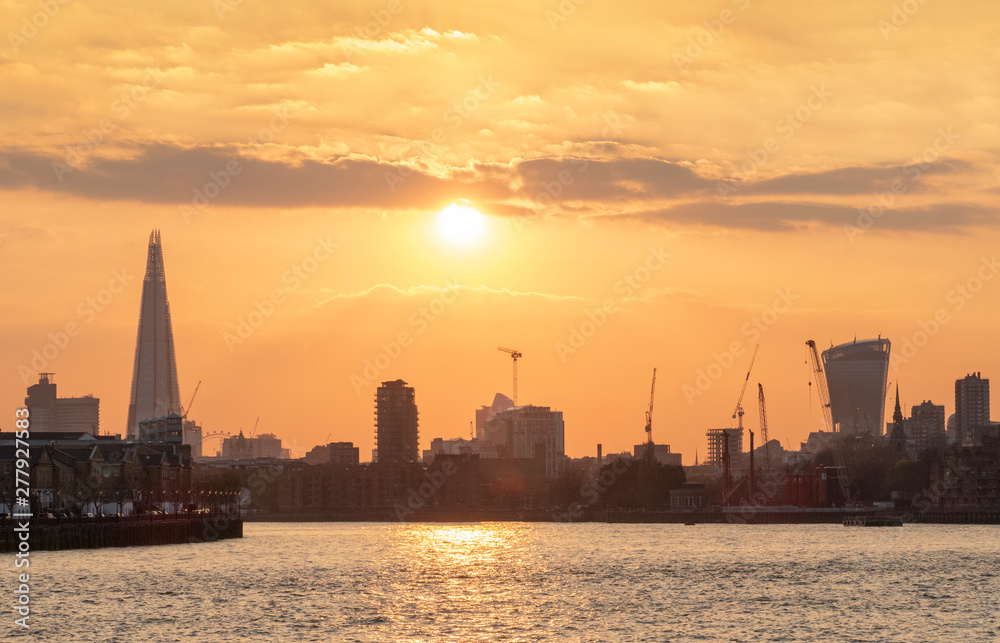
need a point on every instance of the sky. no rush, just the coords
(662, 185)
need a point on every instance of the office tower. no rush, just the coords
(49, 412)
(155, 391)
(972, 406)
(856, 376)
(396, 434)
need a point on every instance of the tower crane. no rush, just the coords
(738, 412)
(649, 418)
(820, 377)
(763, 425)
(514, 355)
(824, 400)
(187, 407)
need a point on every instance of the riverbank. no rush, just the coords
(728, 515)
(53, 534)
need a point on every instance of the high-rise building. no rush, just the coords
(49, 412)
(926, 426)
(972, 406)
(856, 375)
(486, 413)
(530, 432)
(396, 434)
(717, 444)
(155, 392)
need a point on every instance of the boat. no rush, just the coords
(876, 520)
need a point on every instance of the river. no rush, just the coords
(528, 582)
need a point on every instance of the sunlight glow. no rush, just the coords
(461, 225)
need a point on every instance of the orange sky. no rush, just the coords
(838, 158)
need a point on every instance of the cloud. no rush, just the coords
(607, 180)
(390, 291)
(780, 216)
(171, 174)
(852, 180)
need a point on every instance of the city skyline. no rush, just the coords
(707, 179)
(154, 290)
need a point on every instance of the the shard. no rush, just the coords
(155, 392)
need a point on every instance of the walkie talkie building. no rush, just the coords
(856, 374)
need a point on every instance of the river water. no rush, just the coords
(528, 582)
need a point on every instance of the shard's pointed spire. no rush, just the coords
(155, 392)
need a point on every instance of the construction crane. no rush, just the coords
(187, 407)
(649, 415)
(820, 377)
(515, 355)
(738, 412)
(763, 425)
(254, 431)
(824, 399)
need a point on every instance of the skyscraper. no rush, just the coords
(972, 406)
(856, 375)
(396, 434)
(155, 392)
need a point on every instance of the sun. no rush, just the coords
(461, 225)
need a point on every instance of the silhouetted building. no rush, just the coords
(48, 412)
(926, 427)
(192, 436)
(717, 444)
(155, 392)
(486, 413)
(972, 406)
(661, 453)
(897, 435)
(856, 376)
(265, 445)
(969, 477)
(530, 432)
(169, 428)
(396, 433)
(335, 453)
(460, 446)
